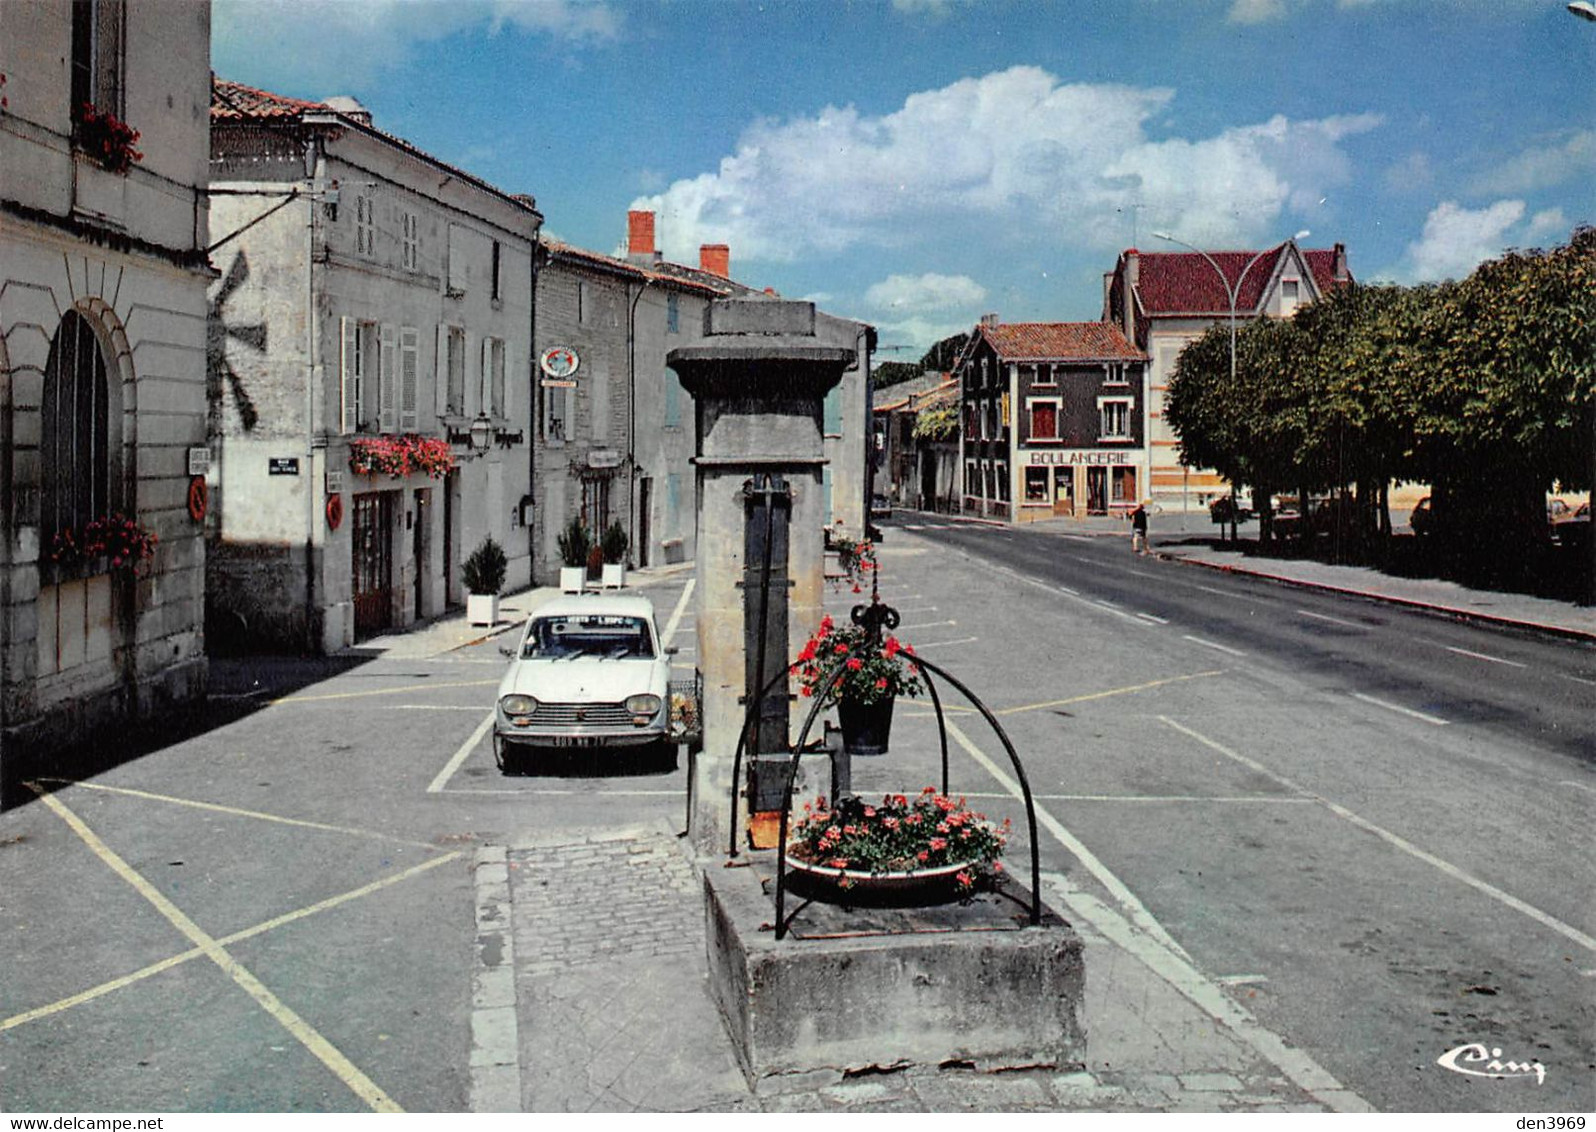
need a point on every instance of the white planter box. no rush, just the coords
(482, 609)
(614, 575)
(572, 578)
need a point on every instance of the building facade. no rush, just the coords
(1052, 420)
(103, 275)
(1163, 300)
(917, 443)
(371, 371)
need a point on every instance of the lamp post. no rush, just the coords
(1231, 291)
(1584, 9)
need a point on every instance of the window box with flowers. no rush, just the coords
(856, 560)
(917, 848)
(401, 455)
(865, 686)
(106, 139)
(110, 544)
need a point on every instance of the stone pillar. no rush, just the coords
(758, 379)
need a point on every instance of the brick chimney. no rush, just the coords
(715, 259)
(640, 234)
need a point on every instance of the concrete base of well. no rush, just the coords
(850, 990)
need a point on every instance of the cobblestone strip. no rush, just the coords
(495, 1046)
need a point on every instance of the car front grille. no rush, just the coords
(576, 715)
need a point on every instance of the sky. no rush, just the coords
(916, 164)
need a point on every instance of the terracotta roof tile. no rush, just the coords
(230, 100)
(1083, 341)
(1186, 283)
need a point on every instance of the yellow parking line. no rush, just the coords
(241, 813)
(302, 1032)
(1109, 692)
(194, 953)
(402, 691)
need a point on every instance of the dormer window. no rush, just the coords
(1288, 295)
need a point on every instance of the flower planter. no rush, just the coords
(866, 728)
(482, 609)
(614, 575)
(938, 884)
(572, 579)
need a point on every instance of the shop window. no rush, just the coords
(74, 442)
(1037, 483)
(1123, 485)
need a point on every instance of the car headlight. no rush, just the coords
(643, 704)
(518, 704)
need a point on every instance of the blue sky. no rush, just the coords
(917, 163)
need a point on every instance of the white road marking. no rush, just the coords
(1078, 538)
(942, 644)
(572, 793)
(1451, 870)
(1327, 617)
(924, 625)
(432, 707)
(1211, 590)
(1434, 720)
(1577, 679)
(1485, 656)
(461, 755)
(1212, 645)
(1577, 785)
(676, 614)
(1154, 620)
(1136, 930)
(1157, 797)
(1241, 980)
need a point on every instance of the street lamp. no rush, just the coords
(1230, 293)
(1584, 9)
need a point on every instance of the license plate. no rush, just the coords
(575, 741)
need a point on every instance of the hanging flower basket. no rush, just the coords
(401, 455)
(866, 728)
(107, 139)
(856, 560)
(115, 540)
(930, 848)
(874, 671)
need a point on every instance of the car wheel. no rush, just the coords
(511, 758)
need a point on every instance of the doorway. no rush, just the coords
(372, 562)
(1097, 491)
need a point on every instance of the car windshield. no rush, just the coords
(605, 636)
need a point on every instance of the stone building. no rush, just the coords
(917, 443)
(371, 367)
(1163, 300)
(103, 274)
(616, 435)
(1052, 420)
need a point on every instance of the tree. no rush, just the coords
(888, 374)
(942, 356)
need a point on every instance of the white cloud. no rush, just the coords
(923, 294)
(1256, 11)
(1456, 240)
(1550, 222)
(333, 46)
(1542, 166)
(1017, 151)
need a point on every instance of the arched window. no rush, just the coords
(74, 448)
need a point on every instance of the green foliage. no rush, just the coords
(574, 543)
(940, 357)
(615, 543)
(483, 572)
(888, 374)
(938, 423)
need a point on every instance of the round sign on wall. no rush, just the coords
(559, 361)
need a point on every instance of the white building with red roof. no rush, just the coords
(1052, 420)
(1163, 300)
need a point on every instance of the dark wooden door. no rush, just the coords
(373, 562)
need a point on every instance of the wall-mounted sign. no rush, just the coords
(199, 461)
(335, 481)
(604, 458)
(282, 465)
(559, 361)
(557, 383)
(1109, 457)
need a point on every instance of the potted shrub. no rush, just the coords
(866, 685)
(615, 544)
(483, 574)
(574, 542)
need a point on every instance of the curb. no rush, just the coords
(1445, 611)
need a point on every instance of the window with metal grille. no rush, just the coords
(74, 439)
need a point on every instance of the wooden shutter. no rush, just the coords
(409, 378)
(387, 373)
(348, 386)
(484, 376)
(440, 369)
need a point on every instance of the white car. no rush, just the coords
(589, 672)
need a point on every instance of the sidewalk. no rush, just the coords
(589, 983)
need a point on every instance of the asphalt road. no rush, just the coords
(1376, 841)
(1374, 827)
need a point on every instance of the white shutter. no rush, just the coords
(387, 372)
(486, 353)
(501, 362)
(409, 377)
(349, 412)
(507, 396)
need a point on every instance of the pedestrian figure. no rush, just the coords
(1139, 528)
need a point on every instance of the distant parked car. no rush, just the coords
(880, 506)
(588, 672)
(1225, 509)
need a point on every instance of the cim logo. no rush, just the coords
(1477, 1061)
